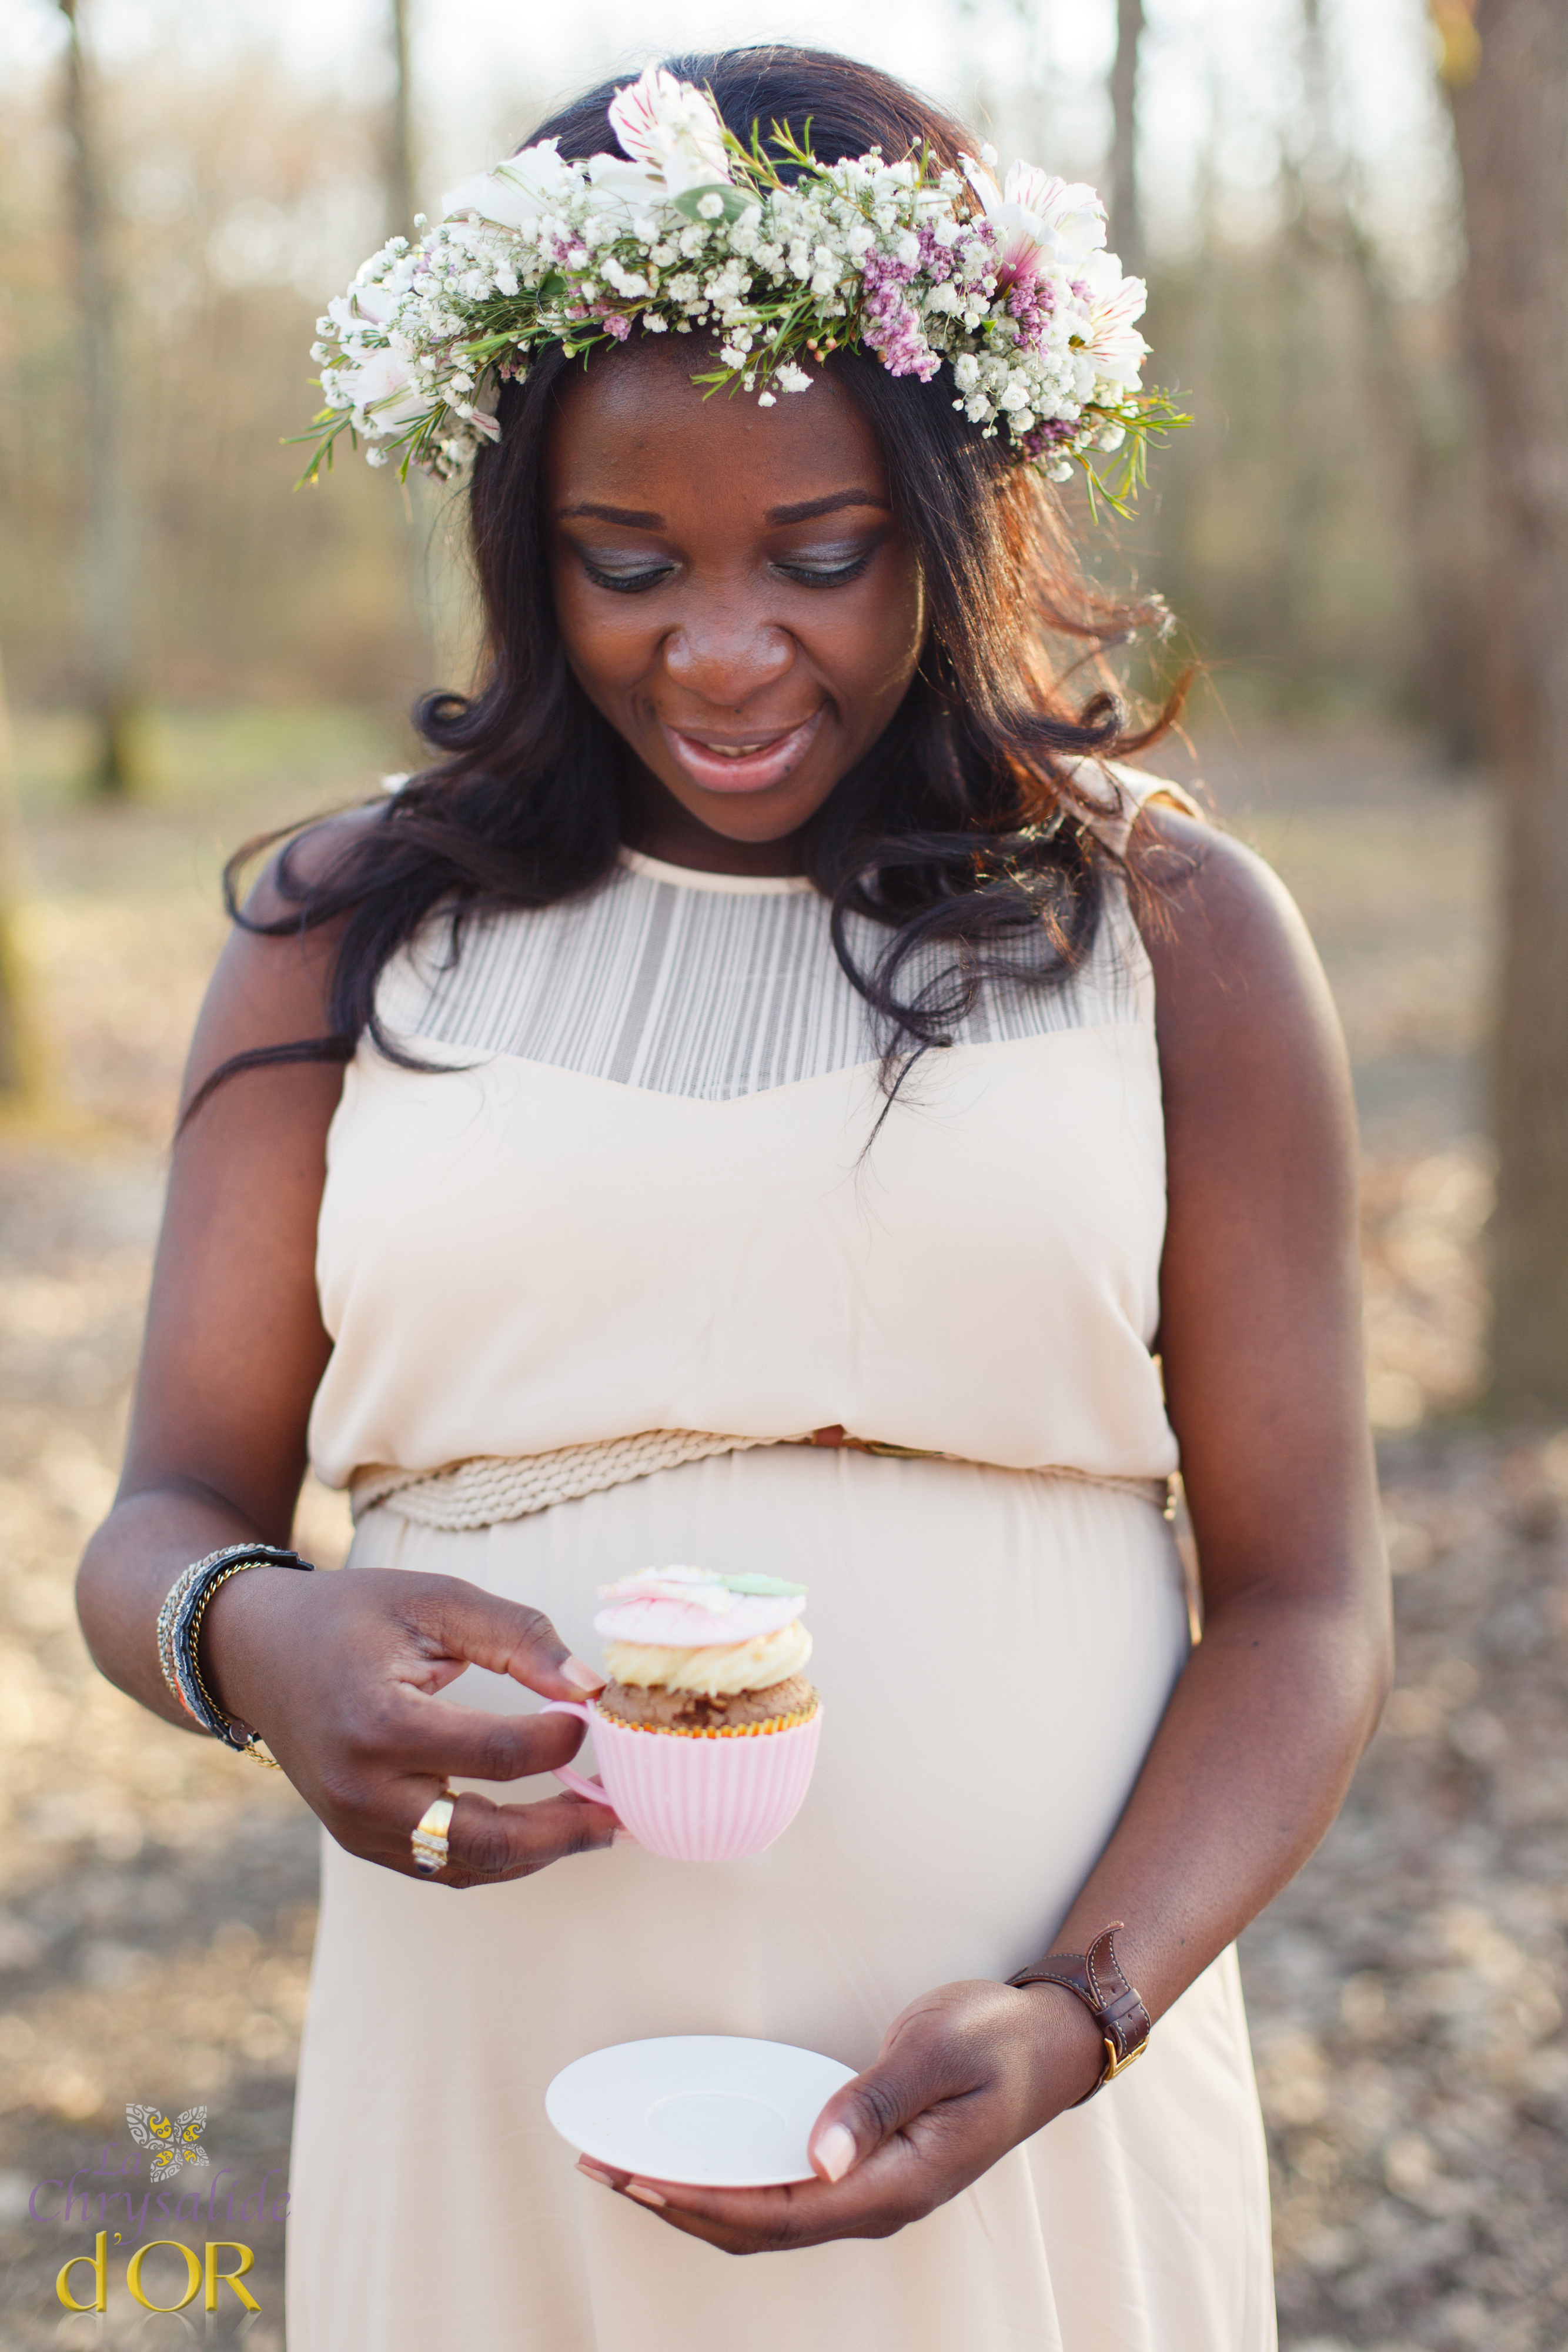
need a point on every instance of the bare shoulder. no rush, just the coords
(272, 987)
(1235, 968)
(309, 858)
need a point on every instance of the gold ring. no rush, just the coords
(429, 1840)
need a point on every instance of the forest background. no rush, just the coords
(196, 651)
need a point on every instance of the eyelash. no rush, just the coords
(636, 584)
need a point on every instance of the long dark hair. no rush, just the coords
(961, 830)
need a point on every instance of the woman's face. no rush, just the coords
(734, 595)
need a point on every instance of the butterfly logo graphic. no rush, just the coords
(170, 2144)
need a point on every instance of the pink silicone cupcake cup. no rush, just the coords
(696, 1799)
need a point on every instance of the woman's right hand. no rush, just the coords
(341, 1673)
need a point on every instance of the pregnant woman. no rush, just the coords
(777, 1093)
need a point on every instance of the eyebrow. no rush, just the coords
(809, 509)
(634, 517)
(806, 510)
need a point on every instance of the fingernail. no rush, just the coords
(622, 1837)
(644, 2196)
(834, 2152)
(580, 1677)
(592, 2172)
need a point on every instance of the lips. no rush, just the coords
(741, 763)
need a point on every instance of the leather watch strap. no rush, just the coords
(1095, 1976)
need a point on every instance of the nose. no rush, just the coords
(726, 652)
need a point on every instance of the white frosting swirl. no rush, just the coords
(708, 1669)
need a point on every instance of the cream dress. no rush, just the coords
(638, 1197)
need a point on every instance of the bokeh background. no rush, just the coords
(194, 652)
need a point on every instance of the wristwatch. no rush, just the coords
(1095, 1976)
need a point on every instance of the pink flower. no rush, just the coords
(1038, 221)
(889, 322)
(1113, 347)
(672, 129)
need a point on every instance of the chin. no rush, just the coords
(741, 819)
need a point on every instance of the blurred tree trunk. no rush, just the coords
(1126, 225)
(1512, 121)
(13, 1048)
(1433, 475)
(108, 655)
(428, 585)
(400, 129)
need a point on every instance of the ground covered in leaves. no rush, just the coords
(156, 1896)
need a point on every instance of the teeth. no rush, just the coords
(736, 751)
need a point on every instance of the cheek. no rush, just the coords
(875, 655)
(605, 648)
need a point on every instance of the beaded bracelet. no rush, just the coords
(180, 1633)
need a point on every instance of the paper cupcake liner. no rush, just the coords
(713, 1796)
(718, 1730)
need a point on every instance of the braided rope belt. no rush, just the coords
(492, 1488)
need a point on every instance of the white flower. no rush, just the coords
(349, 312)
(517, 191)
(672, 129)
(1114, 346)
(621, 187)
(1036, 220)
(790, 378)
(378, 382)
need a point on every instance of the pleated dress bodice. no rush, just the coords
(645, 1187)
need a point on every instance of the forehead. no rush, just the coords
(633, 430)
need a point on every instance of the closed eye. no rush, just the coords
(630, 581)
(825, 575)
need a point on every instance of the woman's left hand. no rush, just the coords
(965, 2074)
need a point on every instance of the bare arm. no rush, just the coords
(343, 1674)
(1260, 1336)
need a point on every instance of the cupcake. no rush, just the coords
(710, 1656)
(706, 1734)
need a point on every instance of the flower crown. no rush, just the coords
(1009, 287)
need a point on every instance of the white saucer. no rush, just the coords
(710, 2110)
